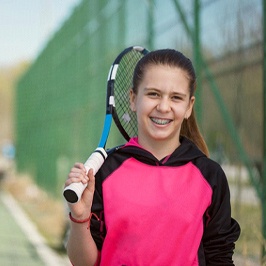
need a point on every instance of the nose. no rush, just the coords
(163, 106)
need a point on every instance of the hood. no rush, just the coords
(185, 153)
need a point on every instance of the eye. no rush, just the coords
(153, 94)
(176, 98)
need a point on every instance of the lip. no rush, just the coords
(161, 121)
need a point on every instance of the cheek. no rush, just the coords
(139, 109)
(182, 111)
(144, 107)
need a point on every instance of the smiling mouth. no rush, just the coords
(160, 121)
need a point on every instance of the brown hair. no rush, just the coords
(173, 58)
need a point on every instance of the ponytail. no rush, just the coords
(190, 130)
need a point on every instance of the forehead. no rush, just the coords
(165, 73)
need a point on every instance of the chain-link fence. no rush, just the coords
(61, 99)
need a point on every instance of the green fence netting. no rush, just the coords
(60, 101)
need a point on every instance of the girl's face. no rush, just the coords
(161, 104)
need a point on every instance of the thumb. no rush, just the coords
(91, 182)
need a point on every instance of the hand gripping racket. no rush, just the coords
(119, 83)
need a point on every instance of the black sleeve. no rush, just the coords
(97, 225)
(221, 231)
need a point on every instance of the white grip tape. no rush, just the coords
(94, 162)
(76, 188)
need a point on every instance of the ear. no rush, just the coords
(190, 107)
(132, 97)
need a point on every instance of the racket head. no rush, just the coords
(119, 84)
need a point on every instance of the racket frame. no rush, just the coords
(111, 85)
(73, 192)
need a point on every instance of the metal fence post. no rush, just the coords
(263, 199)
(197, 58)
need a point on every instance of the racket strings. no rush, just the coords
(122, 86)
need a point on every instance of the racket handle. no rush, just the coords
(73, 192)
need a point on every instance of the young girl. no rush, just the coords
(158, 199)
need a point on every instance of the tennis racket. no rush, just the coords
(119, 82)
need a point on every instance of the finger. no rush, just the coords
(90, 173)
(78, 179)
(75, 180)
(75, 177)
(80, 166)
(77, 172)
(91, 182)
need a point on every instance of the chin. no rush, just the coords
(161, 138)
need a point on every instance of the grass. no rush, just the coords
(250, 242)
(48, 213)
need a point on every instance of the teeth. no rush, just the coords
(160, 121)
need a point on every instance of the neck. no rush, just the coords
(159, 148)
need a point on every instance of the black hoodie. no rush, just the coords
(174, 211)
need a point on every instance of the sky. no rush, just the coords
(27, 25)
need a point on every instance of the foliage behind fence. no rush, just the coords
(61, 98)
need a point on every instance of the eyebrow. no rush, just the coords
(157, 90)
